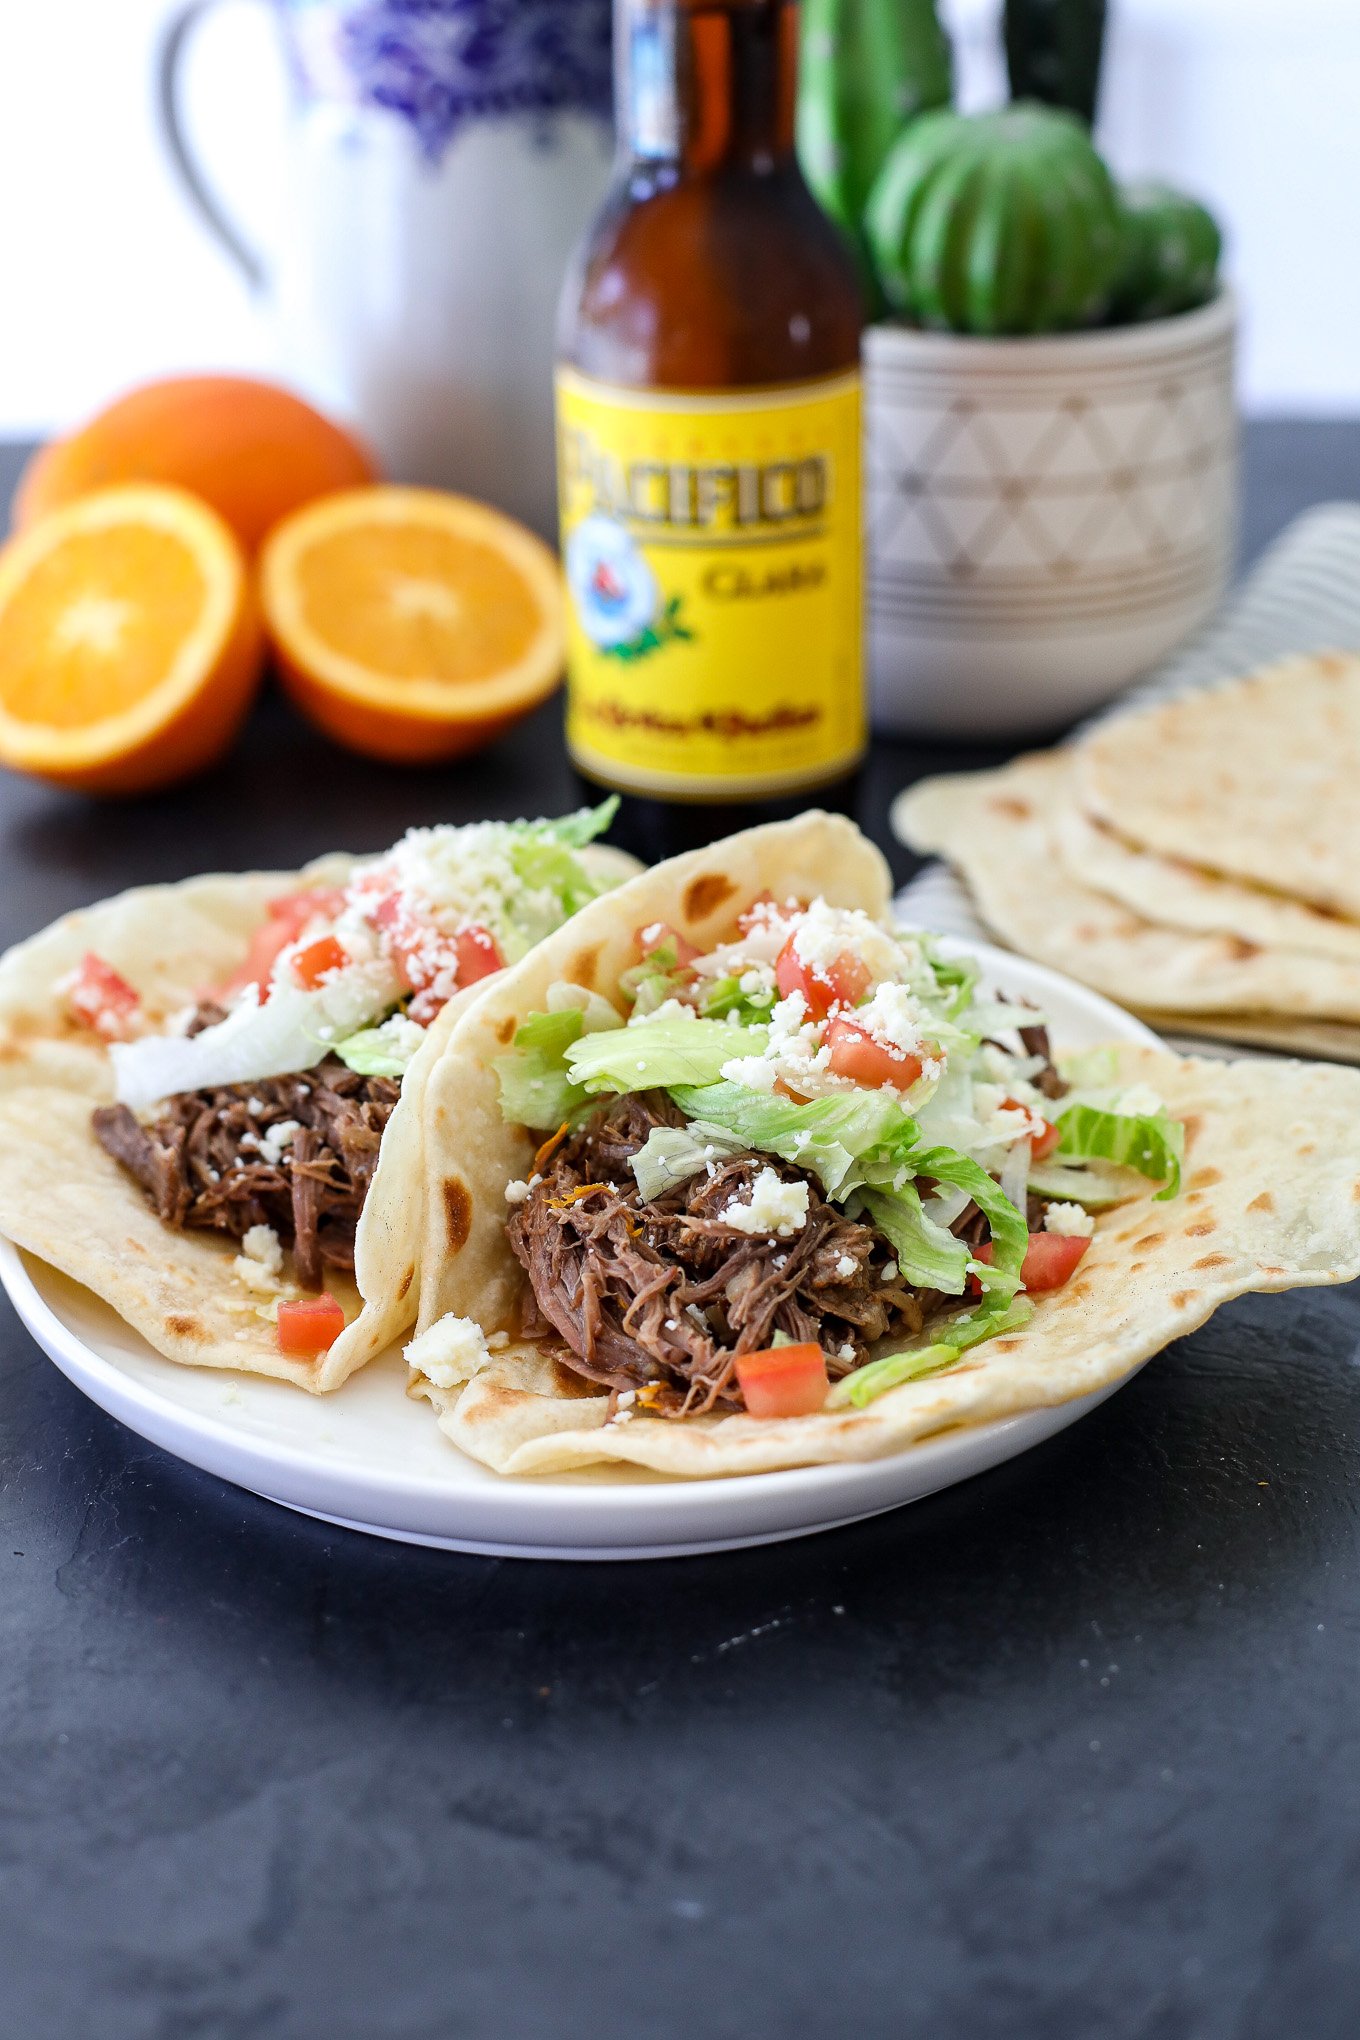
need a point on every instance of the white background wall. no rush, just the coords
(107, 277)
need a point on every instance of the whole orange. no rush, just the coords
(253, 451)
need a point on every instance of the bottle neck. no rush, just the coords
(704, 84)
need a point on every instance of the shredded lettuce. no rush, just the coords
(942, 1350)
(383, 1051)
(727, 1001)
(657, 978)
(535, 1086)
(668, 1049)
(672, 1154)
(828, 1136)
(1151, 1143)
(1094, 1186)
(542, 854)
(927, 1254)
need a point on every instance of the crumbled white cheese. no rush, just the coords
(1139, 1101)
(755, 980)
(846, 1266)
(890, 1271)
(1069, 1221)
(847, 1351)
(516, 1190)
(274, 1142)
(826, 933)
(259, 1265)
(775, 1207)
(449, 1352)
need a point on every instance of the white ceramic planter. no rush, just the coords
(1045, 518)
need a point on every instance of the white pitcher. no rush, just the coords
(444, 158)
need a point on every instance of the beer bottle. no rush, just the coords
(708, 444)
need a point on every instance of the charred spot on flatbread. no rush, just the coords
(181, 1326)
(457, 1213)
(704, 895)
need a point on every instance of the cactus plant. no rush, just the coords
(1053, 52)
(995, 223)
(1171, 246)
(866, 69)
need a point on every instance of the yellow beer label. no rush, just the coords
(712, 551)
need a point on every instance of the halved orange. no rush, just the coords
(410, 624)
(130, 643)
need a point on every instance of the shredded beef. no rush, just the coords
(200, 1164)
(666, 1295)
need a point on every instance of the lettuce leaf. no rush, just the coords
(941, 1351)
(828, 1136)
(535, 1085)
(658, 1053)
(672, 1154)
(727, 1001)
(927, 1254)
(1151, 1143)
(542, 854)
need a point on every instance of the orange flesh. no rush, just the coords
(97, 625)
(411, 602)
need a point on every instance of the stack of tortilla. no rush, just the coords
(1198, 861)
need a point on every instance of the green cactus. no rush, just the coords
(1053, 52)
(1171, 247)
(867, 68)
(995, 223)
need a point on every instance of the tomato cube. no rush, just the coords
(309, 1325)
(783, 1381)
(318, 960)
(861, 1056)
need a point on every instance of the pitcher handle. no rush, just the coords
(175, 39)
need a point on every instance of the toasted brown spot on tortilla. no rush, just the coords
(1019, 809)
(1308, 1147)
(1240, 950)
(185, 1328)
(1263, 1201)
(1181, 1297)
(583, 967)
(1212, 1261)
(407, 1279)
(704, 895)
(505, 1029)
(1135, 1267)
(457, 1212)
(1204, 1179)
(1002, 1346)
(1202, 1230)
(1150, 1239)
(1192, 1124)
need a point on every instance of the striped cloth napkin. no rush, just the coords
(1303, 596)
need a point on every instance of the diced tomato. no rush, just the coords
(318, 960)
(861, 1056)
(660, 935)
(1044, 1143)
(103, 999)
(783, 1381)
(288, 916)
(479, 955)
(762, 908)
(1050, 1259)
(845, 981)
(309, 1325)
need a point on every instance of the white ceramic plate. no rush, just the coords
(372, 1460)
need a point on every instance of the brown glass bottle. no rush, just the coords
(708, 443)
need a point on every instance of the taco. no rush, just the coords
(210, 1092)
(734, 1174)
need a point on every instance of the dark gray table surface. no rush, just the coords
(1070, 1750)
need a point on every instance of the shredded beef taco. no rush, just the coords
(732, 1174)
(210, 1093)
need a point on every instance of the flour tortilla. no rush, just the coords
(1186, 896)
(64, 1199)
(471, 1154)
(998, 829)
(1257, 779)
(1271, 1201)
(1323, 1040)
